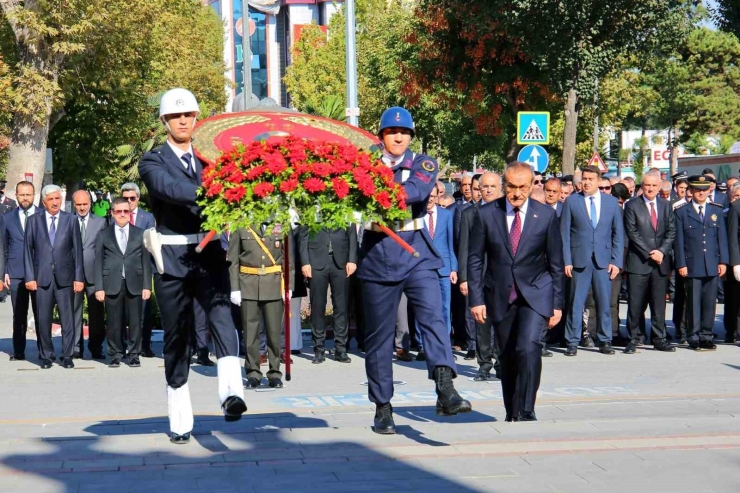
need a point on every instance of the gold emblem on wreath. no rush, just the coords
(714, 217)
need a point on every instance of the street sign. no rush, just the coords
(598, 162)
(536, 156)
(533, 127)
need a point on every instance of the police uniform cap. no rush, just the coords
(679, 175)
(722, 186)
(700, 182)
(2, 184)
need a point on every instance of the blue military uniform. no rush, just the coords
(387, 271)
(701, 246)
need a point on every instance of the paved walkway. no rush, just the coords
(651, 422)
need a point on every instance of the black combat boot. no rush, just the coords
(449, 401)
(384, 424)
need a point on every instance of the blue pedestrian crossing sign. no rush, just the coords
(533, 127)
(536, 156)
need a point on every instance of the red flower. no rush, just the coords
(348, 153)
(300, 167)
(236, 177)
(214, 189)
(340, 166)
(234, 194)
(366, 186)
(289, 185)
(227, 170)
(314, 185)
(321, 169)
(255, 172)
(275, 163)
(384, 199)
(363, 161)
(341, 187)
(263, 189)
(296, 151)
(402, 204)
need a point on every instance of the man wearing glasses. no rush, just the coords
(144, 220)
(605, 186)
(538, 182)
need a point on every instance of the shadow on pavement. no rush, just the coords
(250, 455)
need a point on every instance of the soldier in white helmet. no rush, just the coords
(172, 174)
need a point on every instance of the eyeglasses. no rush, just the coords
(132, 199)
(537, 182)
(119, 212)
(605, 188)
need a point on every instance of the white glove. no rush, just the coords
(736, 272)
(236, 298)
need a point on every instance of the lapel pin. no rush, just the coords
(535, 215)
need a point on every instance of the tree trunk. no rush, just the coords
(27, 152)
(513, 151)
(569, 136)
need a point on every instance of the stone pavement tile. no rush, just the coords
(37, 484)
(473, 466)
(336, 450)
(236, 441)
(76, 465)
(262, 455)
(168, 459)
(171, 485)
(550, 429)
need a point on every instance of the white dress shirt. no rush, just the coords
(597, 203)
(510, 214)
(23, 217)
(180, 153)
(655, 204)
(433, 214)
(703, 207)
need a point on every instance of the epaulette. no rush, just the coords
(721, 206)
(680, 206)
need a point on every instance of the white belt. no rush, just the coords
(399, 226)
(191, 239)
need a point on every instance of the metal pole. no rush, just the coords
(353, 111)
(246, 56)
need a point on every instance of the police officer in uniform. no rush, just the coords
(257, 286)
(6, 204)
(387, 271)
(172, 174)
(701, 256)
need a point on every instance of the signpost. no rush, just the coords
(598, 162)
(533, 127)
(536, 156)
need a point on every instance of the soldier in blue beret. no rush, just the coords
(701, 256)
(387, 271)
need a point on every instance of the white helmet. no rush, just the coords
(178, 100)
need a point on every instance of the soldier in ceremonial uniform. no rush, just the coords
(257, 286)
(6, 204)
(172, 175)
(387, 271)
(701, 256)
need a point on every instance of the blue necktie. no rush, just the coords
(52, 230)
(701, 213)
(186, 159)
(594, 219)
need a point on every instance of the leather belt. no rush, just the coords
(399, 226)
(261, 271)
(191, 239)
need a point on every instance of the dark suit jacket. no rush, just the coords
(63, 262)
(537, 269)
(464, 226)
(314, 249)
(643, 238)
(144, 219)
(581, 241)
(173, 195)
(733, 234)
(110, 262)
(95, 224)
(457, 221)
(14, 239)
(721, 199)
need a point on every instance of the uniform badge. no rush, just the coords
(277, 244)
(428, 166)
(398, 116)
(714, 217)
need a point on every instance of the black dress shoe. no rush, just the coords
(67, 363)
(422, 356)
(449, 402)
(695, 346)
(234, 407)
(571, 350)
(384, 424)
(275, 383)
(203, 358)
(510, 419)
(662, 345)
(17, 357)
(402, 355)
(631, 348)
(114, 363)
(98, 356)
(470, 355)
(546, 353)
(77, 355)
(45, 364)
(730, 339)
(606, 348)
(253, 383)
(134, 362)
(482, 376)
(180, 439)
(683, 342)
(342, 357)
(146, 353)
(295, 352)
(528, 416)
(707, 345)
(586, 341)
(318, 357)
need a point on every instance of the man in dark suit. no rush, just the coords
(53, 267)
(593, 249)
(90, 226)
(732, 311)
(172, 175)
(520, 238)
(330, 258)
(144, 220)
(13, 229)
(123, 277)
(702, 257)
(716, 196)
(553, 186)
(650, 227)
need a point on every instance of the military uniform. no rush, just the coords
(701, 246)
(7, 204)
(256, 272)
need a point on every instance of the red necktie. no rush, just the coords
(431, 225)
(132, 219)
(514, 236)
(653, 217)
